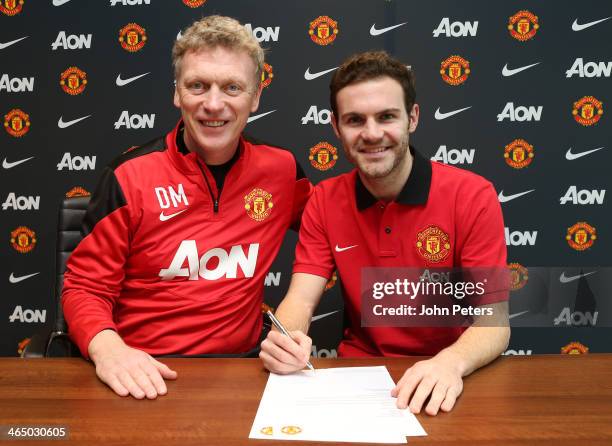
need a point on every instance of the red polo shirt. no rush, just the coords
(344, 227)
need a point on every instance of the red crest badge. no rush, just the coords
(17, 123)
(323, 30)
(194, 3)
(523, 25)
(132, 37)
(73, 81)
(323, 156)
(433, 244)
(519, 153)
(587, 111)
(258, 204)
(266, 75)
(77, 191)
(455, 70)
(519, 276)
(11, 7)
(581, 236)
(575, 348)
(23, 239)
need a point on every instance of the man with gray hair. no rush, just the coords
(181, 231)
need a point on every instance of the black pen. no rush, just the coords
(284, 331)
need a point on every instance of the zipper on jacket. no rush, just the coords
(212, 195)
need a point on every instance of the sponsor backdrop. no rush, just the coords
(518, 93)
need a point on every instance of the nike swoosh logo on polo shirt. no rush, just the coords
(439, 115)
(60, 2)
(121, 82)
(565, 279)
(8, 165)
(321, 316)
(14, 279)
(12, 42)
(579, 27)
(518, 314)
(512, 71)
(574, 156)
(310, 76)
(505, 198)
(164, 217)
(346, 248)
(261, 115)
(378, 32)
(62, 125)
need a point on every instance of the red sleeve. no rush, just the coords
(483, 246)
(95, 270)
(313, 254)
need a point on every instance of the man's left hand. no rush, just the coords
(439, 377)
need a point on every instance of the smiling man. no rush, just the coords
(379, 215)
(181, 231)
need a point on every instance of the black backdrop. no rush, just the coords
(42, 40)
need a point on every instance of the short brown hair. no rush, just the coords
(372, 65)
(214, 31)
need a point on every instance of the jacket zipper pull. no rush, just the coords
(216, 205)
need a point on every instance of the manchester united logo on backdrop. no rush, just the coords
(17, 123)
(266, 75)
(332, 281)
(23, 239)
(132, 37)
(22, 345)
(77, 191)
(258, 204)
(587, 111)
(73, 81)
(194, 3)
(323, 30)
(11, 7)
(455, 70)
(323, 156)
(433, 244)
(581, 236)
(574, 348)
(523, 25)
(518, 276)
(519, 153)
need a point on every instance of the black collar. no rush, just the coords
(415, 190)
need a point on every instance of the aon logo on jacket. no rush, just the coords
(213, 264)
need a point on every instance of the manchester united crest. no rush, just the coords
(587, 111)
(332, 281)
(17, 123)
(455, 70)
(266, 75)
(73, 81)
(323, 30)
(523, 25)
(23, 239)
(433, 244)
(258, 204)
(323, 156)
(194, 3)
(291, 430)
(581, 236)
(22, 346)
(11, 7)
(77, 191)
(519, 154)
(519, 276)
(132, 37)
(575, 348)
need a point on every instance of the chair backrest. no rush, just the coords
(71, 213)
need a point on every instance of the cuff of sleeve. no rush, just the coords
(83, 339)
(312, 269)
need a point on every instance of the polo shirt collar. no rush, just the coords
(415, 190)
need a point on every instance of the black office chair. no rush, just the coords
(57, 343)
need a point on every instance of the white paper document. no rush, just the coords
(352, 404)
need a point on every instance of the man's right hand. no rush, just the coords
(283, 355)
(126, 370)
